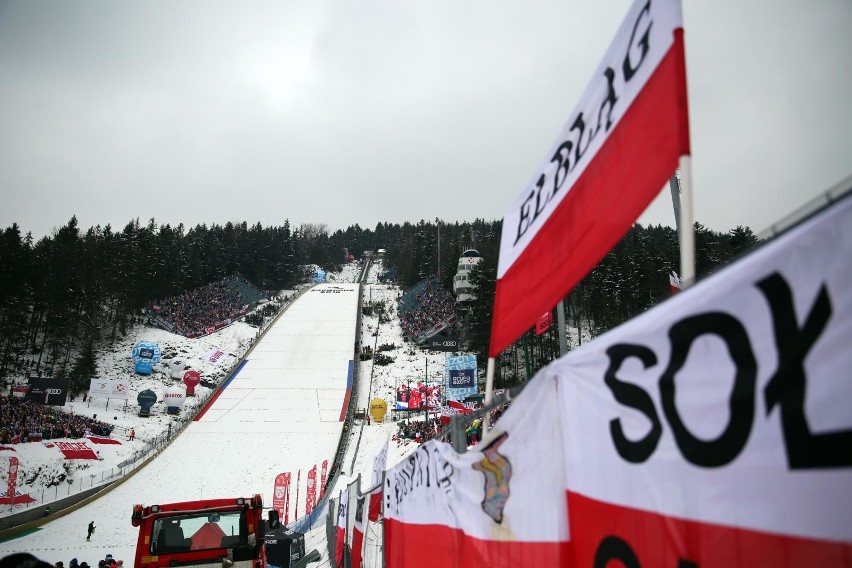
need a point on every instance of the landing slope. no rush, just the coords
(280, 412)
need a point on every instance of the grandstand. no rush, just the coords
(425, 310)
(206, 309)
(249, 293)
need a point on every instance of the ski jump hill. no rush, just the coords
(281, 410)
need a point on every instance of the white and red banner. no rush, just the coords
(340, 537)
(311, 491)
(323, 476)
(501, 505)
(712, 431)
(358, 531)
(215, 356)
(76, 451)
(109, 388)
(716, 428)
(615, 153)
(281, 496)
(13, 477)
(380, 461)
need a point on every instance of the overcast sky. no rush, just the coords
(388, 110)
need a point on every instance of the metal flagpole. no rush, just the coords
(489, 393)
(560, 321)
(687, 224)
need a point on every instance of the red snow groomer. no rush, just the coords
(201, 533)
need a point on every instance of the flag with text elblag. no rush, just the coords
(612, 157)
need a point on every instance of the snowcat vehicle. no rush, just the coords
(227, 532)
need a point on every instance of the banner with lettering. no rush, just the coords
(76, 451)
(281, 496)
(612, 157)
(501, 505)
(215, 356)
(460, 376)
(12, 483)
(311, 491)
(109, 388)
(715, 430)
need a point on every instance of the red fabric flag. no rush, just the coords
(379, 464)
(674, 283)
(281, 496)
(611, 159)
(340, 540)
(311, 492)
(543, 323)
(358, 533)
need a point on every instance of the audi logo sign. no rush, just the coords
(444, 343)
(53, 391)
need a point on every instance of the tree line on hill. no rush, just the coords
(64, 293)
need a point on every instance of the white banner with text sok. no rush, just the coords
(716, 429)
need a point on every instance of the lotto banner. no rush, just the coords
(716, 429)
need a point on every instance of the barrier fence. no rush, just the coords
(75, 490)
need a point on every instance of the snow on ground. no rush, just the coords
(279, 413)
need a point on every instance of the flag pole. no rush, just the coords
(687, 223)
(489, 393)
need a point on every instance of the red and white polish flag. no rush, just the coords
(674, 283)
(380, 461)
(615, 153)
(358, 532)
(340, 537)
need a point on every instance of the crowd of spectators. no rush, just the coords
(193, 312)
(419, 430)
(22, 420)
(423, 430)
(433, 306)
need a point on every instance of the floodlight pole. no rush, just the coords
(687, 224)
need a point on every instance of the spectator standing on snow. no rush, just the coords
(91, 530)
